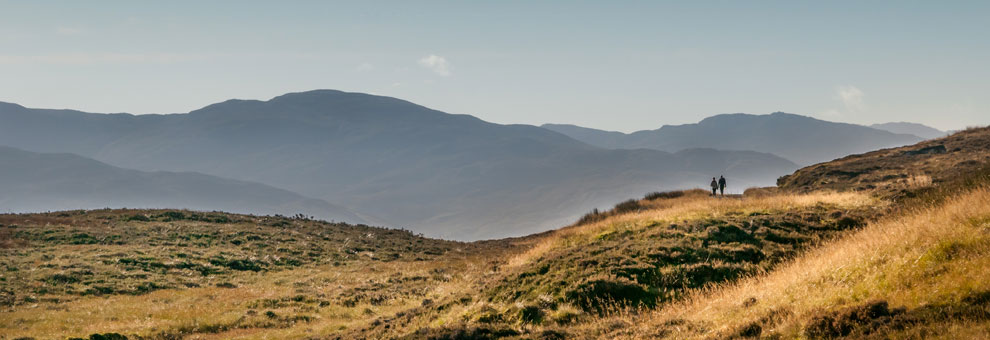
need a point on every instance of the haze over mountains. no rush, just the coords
(365, 158)
(60, 181)
(446, 175)
(916, 129)
(801, 139)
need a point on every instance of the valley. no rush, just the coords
(792, 261)
(384, 160)
(494, 170)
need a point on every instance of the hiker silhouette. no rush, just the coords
(714, 186)
(721, 185)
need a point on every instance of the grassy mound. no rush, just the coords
(646, 265)
(174, 274)
(930, 264)
(897, 171)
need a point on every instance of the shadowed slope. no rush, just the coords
(32, 182)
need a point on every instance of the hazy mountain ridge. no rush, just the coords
(801, 139)
(916, 129)
(443, 174)
(47, 182)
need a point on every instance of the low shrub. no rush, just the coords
(627, 206)
(663, 195)
(598, 295)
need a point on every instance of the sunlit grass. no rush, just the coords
(938, 254)
(222, 310)
(696, 204)
(921, 256)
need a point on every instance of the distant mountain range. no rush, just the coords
(801, 139)
(400, 164)
(916, 129)
(31, 182)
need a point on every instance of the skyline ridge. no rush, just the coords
(336, 91)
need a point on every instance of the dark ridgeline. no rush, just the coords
(406, 165)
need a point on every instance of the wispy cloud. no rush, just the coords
(851, 100)
(437, 64)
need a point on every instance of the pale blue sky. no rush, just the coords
(614, 65)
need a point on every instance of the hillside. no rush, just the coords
(32, 182)
(296, 278)
(896, 170)
(599, 138)
(920, 275)
(801, 139)
(790, 263)
(445, 175)
(167, 274)
(920, 130)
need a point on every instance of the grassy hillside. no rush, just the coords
(139, 272)
(897, 171)
(171, 274)
(906, 259)
(920, 275)
(640, 256)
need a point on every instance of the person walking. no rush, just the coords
(721, 185)
(714, 186)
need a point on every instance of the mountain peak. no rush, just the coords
(225, 106)
(10, 106)
(337, 97)
(749, 117)
(311, 94)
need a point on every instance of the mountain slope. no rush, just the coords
(816, 264)
(920, 130)
(599, 138)
(453, 176)
(801, 139)
(45, 182)
(166, 274)
(917, 276)
(896, 170)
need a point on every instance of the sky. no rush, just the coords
(614, 65)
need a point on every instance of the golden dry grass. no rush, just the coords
(923, 256)
(316, 297)
(198, 310)
(696, 204)
(932, 255)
